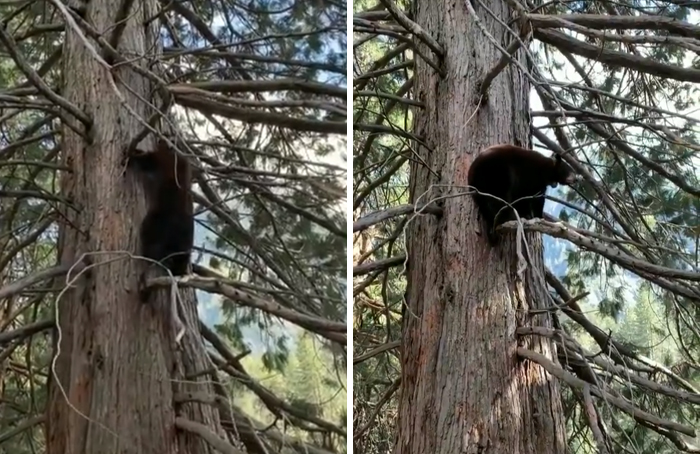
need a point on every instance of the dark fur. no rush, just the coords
(167, 231)
(510, 173)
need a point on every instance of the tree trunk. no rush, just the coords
(464, 389)
(116, 371)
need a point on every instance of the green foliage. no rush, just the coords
(272, 221)
(635, 136)
(309, 386)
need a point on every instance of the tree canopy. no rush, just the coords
(613, 89)
(257, 94)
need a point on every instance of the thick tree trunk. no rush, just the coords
(463, 388)
(116, 371)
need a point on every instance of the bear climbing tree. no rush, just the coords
(507, 178)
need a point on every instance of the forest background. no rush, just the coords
(259, 92)
(615, 84)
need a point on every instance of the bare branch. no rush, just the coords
(207, 435)
(619, 22)
(38, 82)
(331, 330)
(617, 59)
(268, 118)
(618, 402)
(376, 217)
(259, 86)
(414, 28)
(19, 285)
(359, 270)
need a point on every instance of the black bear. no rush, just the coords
(167, 231)
(519, 177)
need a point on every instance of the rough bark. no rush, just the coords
(117, 368)
(463, 388)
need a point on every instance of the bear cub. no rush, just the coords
(519, 177)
